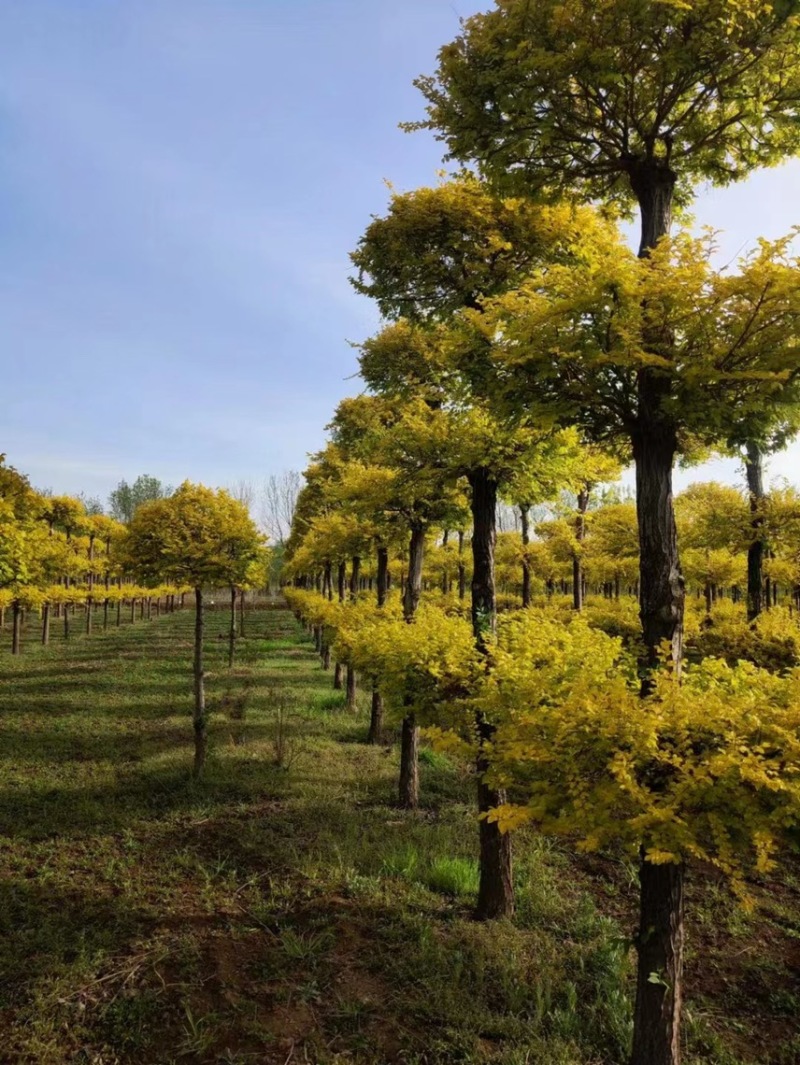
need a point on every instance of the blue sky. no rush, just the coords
(180, 185)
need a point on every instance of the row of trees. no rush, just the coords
(54, 556)
(526, 349)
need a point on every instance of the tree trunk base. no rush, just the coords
(659, 977)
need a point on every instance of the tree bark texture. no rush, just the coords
(754, 471)
(496, 887)
(577, 561)
(355, 576)
(656, 1036)
(661, 591)
(199, 716)
(409, 743)
(413, 585)
(524, 515)
(659, 983)
(462, 569)
(341, 581)
(653, 184)
(16, 627)
(383, 575)
(375, 734)
(351, 689)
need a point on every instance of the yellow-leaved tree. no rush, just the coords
(198, 537)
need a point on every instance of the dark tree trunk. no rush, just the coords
(375, 734)
(484, 536)
(656, 1036)
(496, 887)
(661, 591)
(382, 584)
(232, 629)
(199, 715)
(16, 627)
(66, 612)
(341, 587)
(524, 514)
(653, 184)
(327, 581)
(355, 575)
(413, 585)
(754, 470)
(351, 689)
(45, 624)
(409, 745)
(659, 983)
(577, 561)
(89, 609)
(462, 569)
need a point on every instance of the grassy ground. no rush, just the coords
(290, 913)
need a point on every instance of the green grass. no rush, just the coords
(290, 912)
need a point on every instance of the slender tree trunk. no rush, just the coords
(341, 587)
(524, 514)
(241, 612)
(16, 627)
(45, 624)
(351, 689)
(377, 709)
(413, 585)
(341, 581)
(355, 575)
(577, 559)
(409, 744)
(754, 470)
(376, 715)
(462, 569)
(496, 886)
(659, 990)
(232, 630)
(661, 591)
(89, 607)
(199, 716)
(66, 612)
(659, 983)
